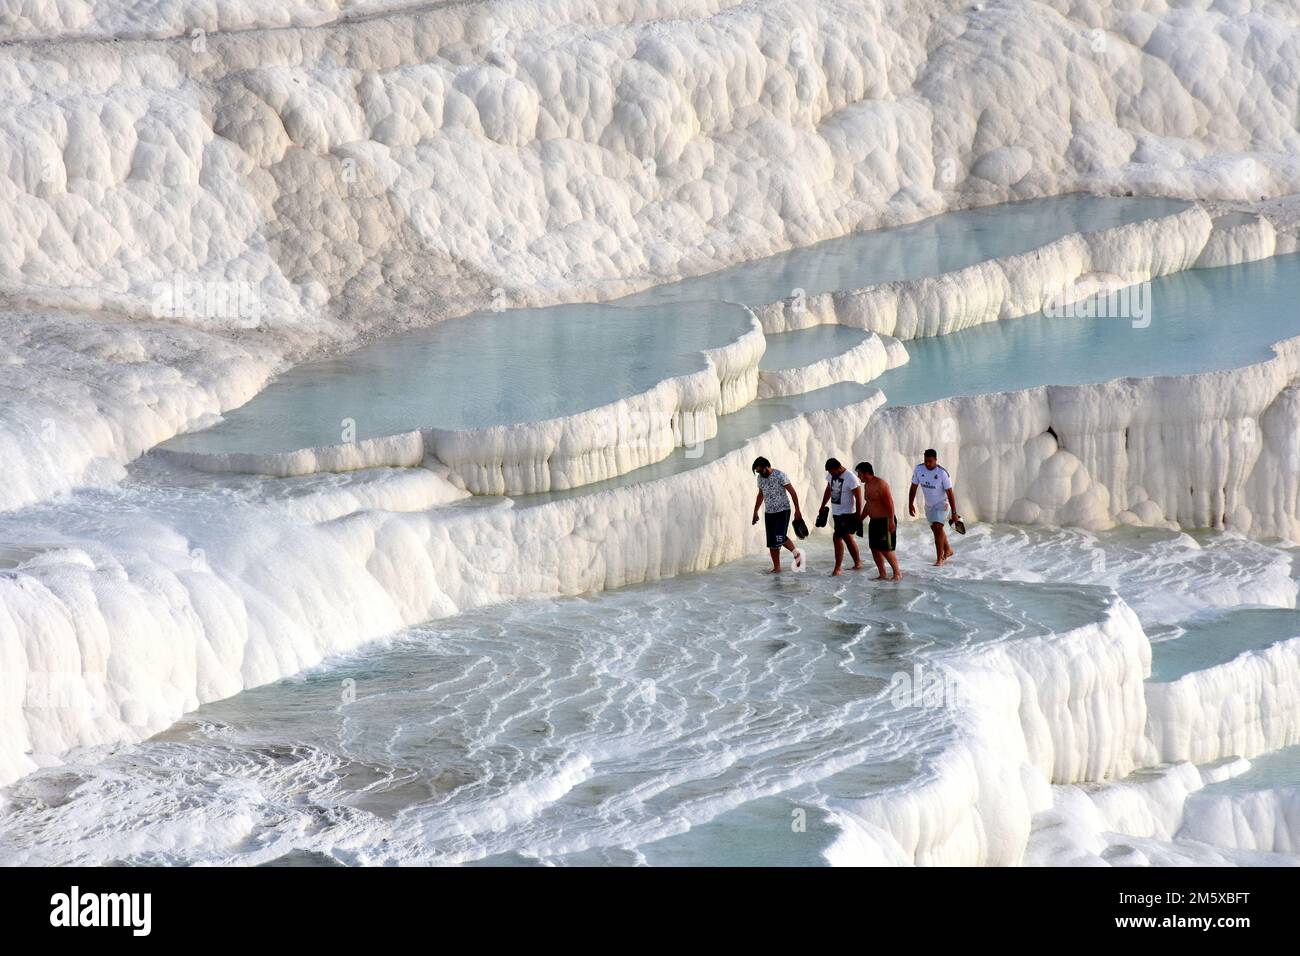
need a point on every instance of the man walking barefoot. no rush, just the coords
(882, 525)
(775, 494)
(845, 495)
(934, 479)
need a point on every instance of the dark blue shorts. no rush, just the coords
(778, 527)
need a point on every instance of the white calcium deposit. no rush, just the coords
(362, 166)
(310, 175)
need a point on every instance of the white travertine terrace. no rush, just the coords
(1010, 286)
(1212, 450)
(392, 563)
(374, 173)
(365, 167)
(618, 438)
(1244, 241)
(1244, 707)
(861, 363)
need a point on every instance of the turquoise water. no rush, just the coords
(796, 349)
(1218, 639)
(926, 248)
(533, 364)
(1281, 768)
(1200, 320)
(680, 722)
(483, 369)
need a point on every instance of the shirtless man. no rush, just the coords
(882, 526)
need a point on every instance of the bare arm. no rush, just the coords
(911, 500)
(952, 503)
(889, 506)
(757, 501)
(826, 495)
(795, 498)
(857, 500)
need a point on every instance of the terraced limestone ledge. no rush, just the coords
(615, 439)
(400, 556)
(1244, 237)
(863, 362)
(1243, 707)
(554, 454)
(1023, 284)
(1208, 450)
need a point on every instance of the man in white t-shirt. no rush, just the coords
(933, 479)
(844, 492)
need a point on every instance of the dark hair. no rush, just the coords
(930, 453)
(760, 462)
(865, 467)
(832, 464)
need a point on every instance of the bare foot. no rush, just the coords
(836, 573)
(881, 578)
(858, 566)
(897, 577)
(775, 571)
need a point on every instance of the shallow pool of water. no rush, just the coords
(1216, 640)
(533, 364)
(797, 349)
(926, 248)
(1199, 320)
(483, 369)
(678, 722)
(1281, 768)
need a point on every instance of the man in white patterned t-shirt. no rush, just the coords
(775, 494)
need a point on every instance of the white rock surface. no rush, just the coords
(360, 176)
(1244, 707)
(863, 362)
(1006, 287)
(362, 167)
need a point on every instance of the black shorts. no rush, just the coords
(778, 527)
(878, 535)
(846, 525)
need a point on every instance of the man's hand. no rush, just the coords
(755, 521)
(893, 525)
(911, 508)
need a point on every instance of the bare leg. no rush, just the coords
(853, 550)
(878, 557)
(941, 549)
(893, 563)
(839, 557)
(776, 560)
